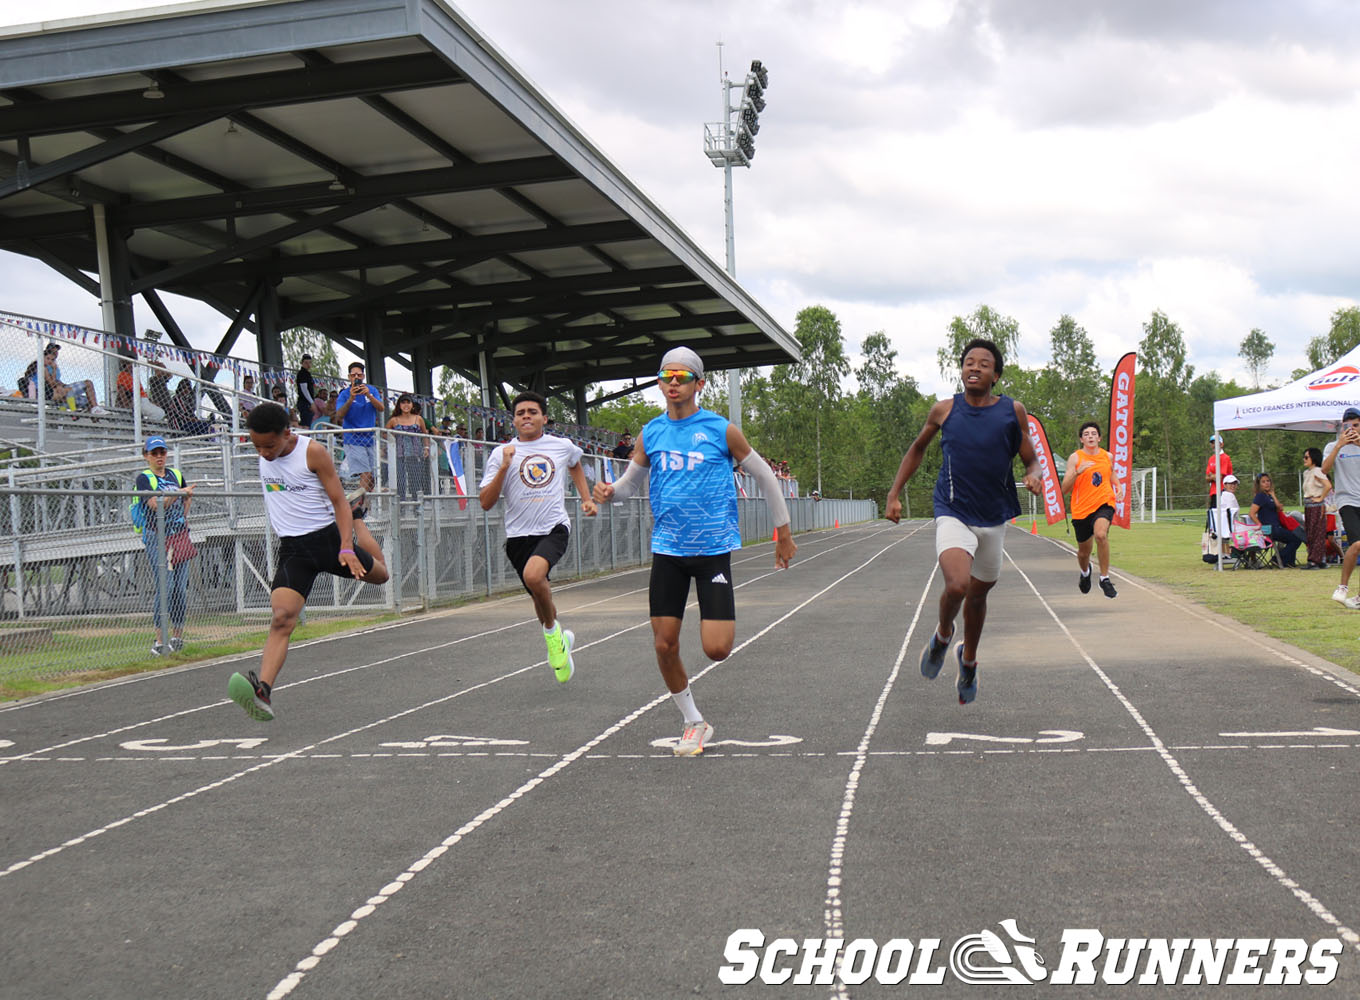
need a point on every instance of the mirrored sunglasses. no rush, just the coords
(677, 375)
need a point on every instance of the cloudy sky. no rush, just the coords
(921, 157)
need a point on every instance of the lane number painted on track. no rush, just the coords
(669, 742)
(455, 741)
(164, 745)
(1049, 736)
(1318, 731)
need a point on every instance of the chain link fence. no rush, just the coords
(83, 591)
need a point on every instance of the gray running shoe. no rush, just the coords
(932, 657)
(967, 682)
(1107, 585)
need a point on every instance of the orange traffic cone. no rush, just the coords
(776, 535)
(838, 522)
(1033, 527)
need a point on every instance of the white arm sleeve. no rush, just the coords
(759, 470)
(630, 482)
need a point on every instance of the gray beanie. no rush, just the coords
(683, 357)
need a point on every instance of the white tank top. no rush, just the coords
(293, 496)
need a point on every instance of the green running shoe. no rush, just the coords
(559, 642)
(251, 694)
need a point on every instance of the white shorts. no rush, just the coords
(983, 544)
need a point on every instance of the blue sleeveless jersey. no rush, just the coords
(977, 481)
(694, 498)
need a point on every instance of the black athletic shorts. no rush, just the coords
(303, 557)
(712, 576)
(552, 547)
(1085, 527)
(1350, 523)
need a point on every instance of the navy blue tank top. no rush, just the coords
(977, 482)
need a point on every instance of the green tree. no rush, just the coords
(813, 387)
(987, 323)
(304, 340)
(1072, 389)
(1343, 336)
(1161, 418)
(1256, 350)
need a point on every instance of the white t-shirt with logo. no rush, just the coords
(535, 485)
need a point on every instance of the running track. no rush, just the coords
(432, 815)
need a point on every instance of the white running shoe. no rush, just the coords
(692, 740)
(1341, 594)
(98, 411)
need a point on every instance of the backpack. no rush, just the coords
(138, 512)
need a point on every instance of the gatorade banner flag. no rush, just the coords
(455, 450)
(1121, 435)
(1052, 494)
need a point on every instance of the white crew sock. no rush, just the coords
(684, 700)
(550, 629)
(1086, 571)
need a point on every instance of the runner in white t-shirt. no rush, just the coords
(529, 471)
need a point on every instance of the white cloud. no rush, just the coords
(920, 158)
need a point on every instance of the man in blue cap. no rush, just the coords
(147, 509)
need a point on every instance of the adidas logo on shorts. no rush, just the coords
(719, 579)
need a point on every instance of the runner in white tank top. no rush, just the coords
(309, 513)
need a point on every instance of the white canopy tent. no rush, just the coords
(1312, 403)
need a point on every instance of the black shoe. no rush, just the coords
(1107, 585)
(1084, 583)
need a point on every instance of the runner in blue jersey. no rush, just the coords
(686, 456)
(980, 435)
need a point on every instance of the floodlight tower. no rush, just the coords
(728, 143)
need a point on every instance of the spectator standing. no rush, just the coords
(1224, 468)
(172, 503)
(1341, 461)
(413, 451)
(248, 397)
(357, 408)
(306, 392)
(624, 449)
(1265, 507)
(1315, 489)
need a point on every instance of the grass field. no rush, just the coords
(1289, 604)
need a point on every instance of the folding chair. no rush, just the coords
(1270, 552)
(1249, 543)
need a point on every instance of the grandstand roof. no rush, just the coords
(378, 164)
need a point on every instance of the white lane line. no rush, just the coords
(52, 851)
(1237, 634)
(1275, 871)
(833, 915)
(708, 754)
(290, 982)
(391, 659)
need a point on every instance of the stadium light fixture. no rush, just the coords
(732, 143)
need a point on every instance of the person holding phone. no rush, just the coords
(1341, 462)
(357, 408)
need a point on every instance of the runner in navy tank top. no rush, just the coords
(980, 435)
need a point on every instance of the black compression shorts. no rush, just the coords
(712, 576)
(303, 557)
